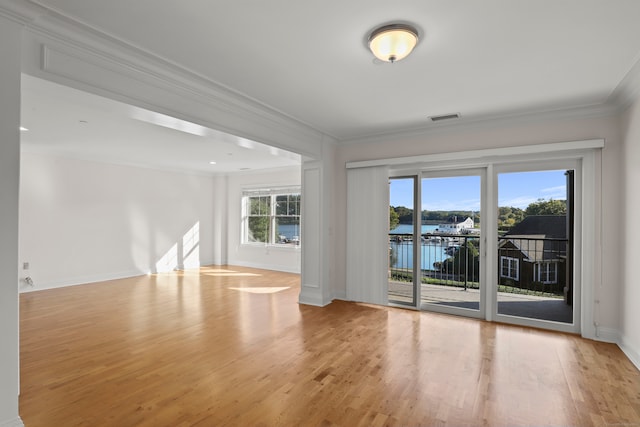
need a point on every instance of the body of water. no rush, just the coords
(408, 229)
(289, 230)
(402, 255)
(402, 251)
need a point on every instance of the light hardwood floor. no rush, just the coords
(231, 346)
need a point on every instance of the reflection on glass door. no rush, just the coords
(402, 278)
(535, 245)
(450, 265)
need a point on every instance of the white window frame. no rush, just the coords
(538, 270)
(272, 236)
(509, 267)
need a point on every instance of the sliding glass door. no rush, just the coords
(451, 267)
(403, 271)
(536, 247)
(439, 226)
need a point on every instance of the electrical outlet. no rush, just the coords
(25, 265)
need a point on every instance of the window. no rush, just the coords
(272, 216)
(509, 267)
(546, 272)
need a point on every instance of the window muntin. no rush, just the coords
(259, 211)
(509, 267)
(272, 217)
(546, 272)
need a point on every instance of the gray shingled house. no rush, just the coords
(533, 254)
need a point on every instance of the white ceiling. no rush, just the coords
(70, 122)
(308, 59)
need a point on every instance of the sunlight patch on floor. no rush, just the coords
(229, 274)
(223, 272)
(262, 290)
(199, 272)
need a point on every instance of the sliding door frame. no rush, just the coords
(456, 172)
(416, 248)
(588, 230)
(572, 163)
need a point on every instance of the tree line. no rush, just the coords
(508, 216)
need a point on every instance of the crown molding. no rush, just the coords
(628, 90)
(22, 12)
(485, 155)
(61, 35)
(490, 121)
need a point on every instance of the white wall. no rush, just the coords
(83, 221)
(499, 135)
(630, 295)
(255, 255)
(10, 35)
(220, 218)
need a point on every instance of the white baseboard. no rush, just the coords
(218, 261)
(16, 422)
(632, 353)
(82, 280)
(613, 336)
(312, 295)
(341, 295)
(203, 263)
(607, 335)
(312, 300)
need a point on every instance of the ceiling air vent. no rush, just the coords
(444, 117)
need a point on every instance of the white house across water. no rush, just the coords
(456, 227)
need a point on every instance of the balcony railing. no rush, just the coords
(445, 259)
(526, 264)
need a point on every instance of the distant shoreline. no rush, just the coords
(424, 222)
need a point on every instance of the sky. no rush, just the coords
(463, 193)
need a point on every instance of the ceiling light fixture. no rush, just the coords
(391, 43)
(24, 129)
